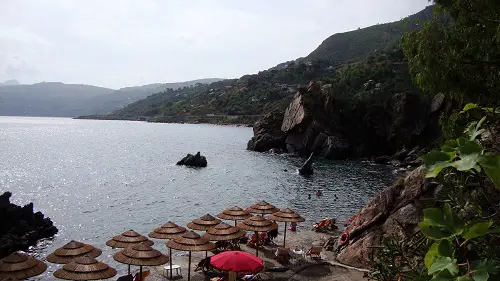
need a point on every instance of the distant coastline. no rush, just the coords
(240, 120)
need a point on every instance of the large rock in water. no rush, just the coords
(267, 133)
(396, 211)
(193, 160)
(20, 227)
(307, 168)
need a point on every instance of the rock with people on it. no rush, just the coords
(20, 227)
(196, 160)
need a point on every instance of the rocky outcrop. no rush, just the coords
(193, 160)
(307, 167)
(268, 134)
(317, 122)
(20, 227)
(396, 211)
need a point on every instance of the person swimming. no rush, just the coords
(319, 193)
(308, 196)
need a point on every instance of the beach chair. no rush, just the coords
(314, 252)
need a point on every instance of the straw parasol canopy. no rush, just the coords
(204, 223)
(262, 207)
(234, 214)
(128, 238)
(224, 232)
(85, 268)
(140, 254)
(21, 266)
(72, 251)
(257, 223)
(286, 215)
(169, 230)
(191, 241)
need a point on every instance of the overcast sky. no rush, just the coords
(118, 43)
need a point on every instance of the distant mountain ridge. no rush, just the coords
(10, 83)
(69, 100)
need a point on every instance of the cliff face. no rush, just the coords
(396, 211)
(335, 129)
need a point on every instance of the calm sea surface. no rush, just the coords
(96, 179)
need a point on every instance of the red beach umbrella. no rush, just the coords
(237, 261)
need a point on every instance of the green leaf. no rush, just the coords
(467, 163)
(491, 166)
(433, 171)
(452, 143)
(480, 275)
(461, 141)
(464, 278)
(445, 249)
(489, 266)
(443, 263)
(436, 156)
(432, 231)
(435, 216)
(469, 106)
(476, 229)
(470, 148)
(431, 255)
(446, 148)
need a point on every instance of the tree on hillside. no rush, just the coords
(458, 52)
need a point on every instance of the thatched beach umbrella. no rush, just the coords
(21, 266)
(257, 224)
(192, 242)
(72, 251)
(224, 232)
(169, 230)
(286, 215)
(128, 238)
(262, 208)
(142, 255)
(204, 223)
(85, 268)
(234, 214)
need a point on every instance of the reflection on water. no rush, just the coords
(96, 179)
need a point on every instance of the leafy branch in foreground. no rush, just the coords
(456, 252)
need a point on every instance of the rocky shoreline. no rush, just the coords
(21, 227)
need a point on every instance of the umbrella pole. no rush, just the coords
(129, 269)
(189, 267)
(284, 236)
(140, 273)
(170, 258)
(235, 223)
(206, 254)
(257, 245)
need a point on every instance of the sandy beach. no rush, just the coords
(301, 268)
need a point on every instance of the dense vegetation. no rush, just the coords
(460, 238)
(347, 61)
